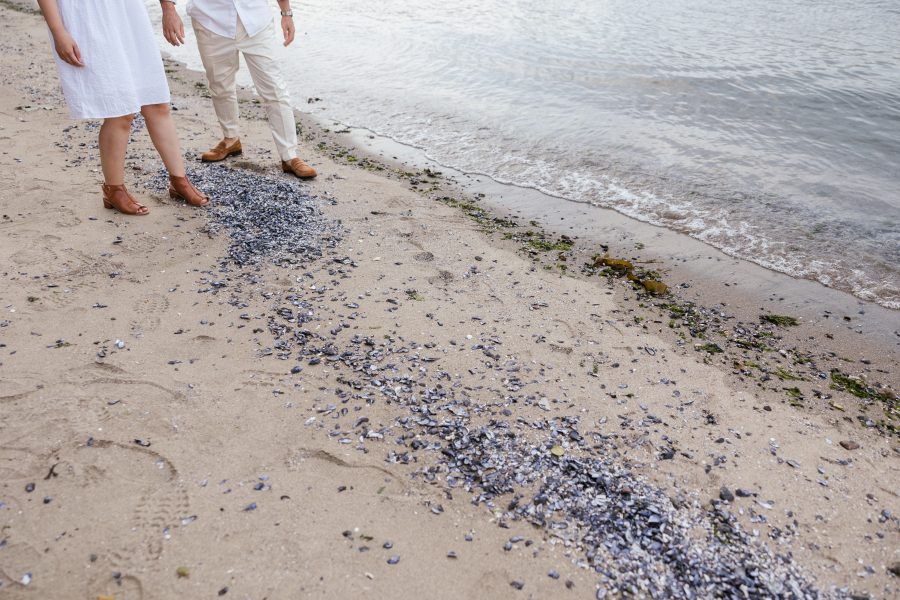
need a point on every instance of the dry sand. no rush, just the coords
(110, 516)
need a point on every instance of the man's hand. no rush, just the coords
(287, 27)
(173, 28)
(67, 49)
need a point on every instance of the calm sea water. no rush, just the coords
(769, 129)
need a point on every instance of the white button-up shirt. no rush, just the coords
(220, 16)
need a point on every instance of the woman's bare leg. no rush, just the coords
(161, 127)
(113, 141)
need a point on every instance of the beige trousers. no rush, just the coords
(220, 56)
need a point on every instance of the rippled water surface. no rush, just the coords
(769, 129)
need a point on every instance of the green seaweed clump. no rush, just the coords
(786, 375)
(675, 311)
(564, 244)
(476, 213)
(780, 320)
(852, 385)
(751, 345)
(795, 396)
(855, 386)
(709, 347)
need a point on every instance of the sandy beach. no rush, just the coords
(412, 397)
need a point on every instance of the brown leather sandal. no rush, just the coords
(180, 188)
(117, 197)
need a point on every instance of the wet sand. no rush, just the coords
(167, 430)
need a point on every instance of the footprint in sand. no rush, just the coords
(139, 243)
(23, 383)
(57, 298)
(138, 500)
(79, 265)
(442, 277)
(149, 310)
(264, 379)
(65, 217)
(29, 430)
(322, 461)
(35, 421)
(36, 251)
(19, 559)
(128, 500)
(21, 459)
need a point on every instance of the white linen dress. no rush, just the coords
(123, 67)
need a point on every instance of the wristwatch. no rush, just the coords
(287, 13)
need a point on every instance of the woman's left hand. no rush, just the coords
(287, 28)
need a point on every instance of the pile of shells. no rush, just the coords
(571, 485)
(266, 218)
(568, 481)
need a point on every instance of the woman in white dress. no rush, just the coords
(110, 68)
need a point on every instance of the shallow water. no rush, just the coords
(769, 129)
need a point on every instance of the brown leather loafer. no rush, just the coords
(222, 151)
(299, 168)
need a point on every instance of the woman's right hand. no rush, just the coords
(173, 27)
(67, 49)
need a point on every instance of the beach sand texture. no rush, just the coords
(153, 445)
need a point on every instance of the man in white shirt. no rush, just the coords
(225, 29)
